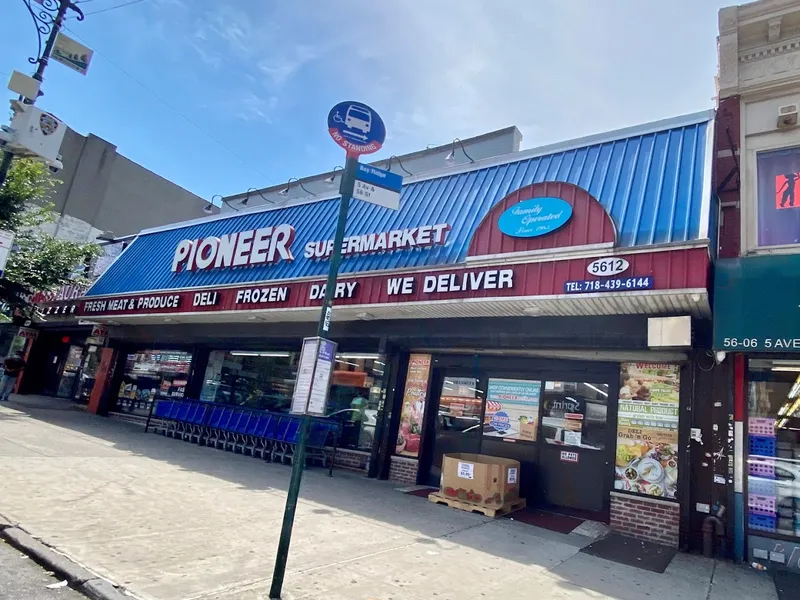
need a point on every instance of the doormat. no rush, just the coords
(546, 519)
(631, 552)
(787, 585)
(422, 492)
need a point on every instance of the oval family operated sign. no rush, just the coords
(535, 217)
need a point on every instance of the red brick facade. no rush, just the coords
(352, 460)
(403, 470)
(645, 518)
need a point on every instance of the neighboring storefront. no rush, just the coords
(757, 321)
(64, 359)
(514, 307)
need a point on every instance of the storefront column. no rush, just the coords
(104, 380)
(739, 383)
(391, 417)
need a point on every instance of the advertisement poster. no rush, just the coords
(419, 370)
(512, 409)
(647, 429)
(778, 197)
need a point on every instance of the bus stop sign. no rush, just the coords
(356, 128)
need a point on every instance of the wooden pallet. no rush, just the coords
(488, 511)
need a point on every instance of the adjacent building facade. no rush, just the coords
(757, 276)
(104, 193)
(103, 197)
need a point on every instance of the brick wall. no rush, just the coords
(352, 460)
(645, 518)
(403, 469)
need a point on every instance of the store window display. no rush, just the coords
(356, 394)
(773, 481)
(265, 380)
(574, 414)
(153, 375)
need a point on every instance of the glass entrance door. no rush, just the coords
(555, 417)
(453, 419)
(576, 444)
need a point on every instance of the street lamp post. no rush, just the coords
(49, 20)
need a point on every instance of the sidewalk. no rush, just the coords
(170, 520)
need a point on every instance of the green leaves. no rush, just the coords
(42, 261)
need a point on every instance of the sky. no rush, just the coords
(220, 96)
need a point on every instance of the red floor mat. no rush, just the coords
(545, 519)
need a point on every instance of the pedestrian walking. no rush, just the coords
(12, 367)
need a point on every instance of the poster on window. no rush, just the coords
(779, 197)
(647, 429)
(512, 409)
(413, 411)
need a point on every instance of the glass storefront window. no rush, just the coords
(265, 380)
(574, 414)
(779, 197)
(773, 482)
(153, 374)
(356, 394)
(512, 409)
(89, 373)
(69, 375)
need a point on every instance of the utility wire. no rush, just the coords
(102, 10)
(175, 110)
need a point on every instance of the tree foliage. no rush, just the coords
(41, 261)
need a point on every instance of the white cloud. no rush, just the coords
(454, 68)
(250, 106)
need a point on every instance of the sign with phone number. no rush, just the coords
(624, 284)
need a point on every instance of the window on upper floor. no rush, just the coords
(778, 193)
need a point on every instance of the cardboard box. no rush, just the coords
(480, 479)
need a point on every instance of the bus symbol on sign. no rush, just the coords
(356, 128)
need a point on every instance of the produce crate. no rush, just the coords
(762, 522)
(761, 445)
(762, 487)
(761, 505)
(764, 427)
(762, 467)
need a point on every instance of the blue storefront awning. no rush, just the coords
(652, 180)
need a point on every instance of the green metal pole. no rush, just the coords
(325, 317)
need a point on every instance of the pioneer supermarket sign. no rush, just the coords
(268, 245)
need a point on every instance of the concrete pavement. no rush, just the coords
(169, 520)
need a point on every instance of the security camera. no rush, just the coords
(56, 165)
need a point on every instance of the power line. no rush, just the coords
(102, 10)
(175, 110)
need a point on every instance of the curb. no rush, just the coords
(78, 577)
